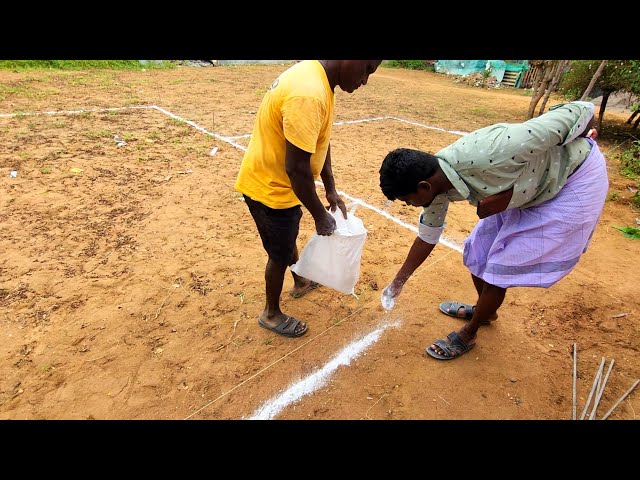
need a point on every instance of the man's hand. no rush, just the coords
(335, 201)
(326, 224)
(494, 204)
(390, 293)
(590, 129)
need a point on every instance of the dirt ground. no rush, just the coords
(131, 288)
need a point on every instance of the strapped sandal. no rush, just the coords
(451, 309)
(286, 328)
(311, 286)
(452, 349)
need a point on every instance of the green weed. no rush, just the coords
(630, 232)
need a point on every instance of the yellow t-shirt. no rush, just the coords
(299, 108)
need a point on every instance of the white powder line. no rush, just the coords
(347, 122)
(319, 378)
(75, 112)
(239, 136)
(455, 132)
(230, 141)
(443, 240)
(446, 242)
(198, 127)
(373, 119)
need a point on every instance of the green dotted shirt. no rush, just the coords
(534, 157)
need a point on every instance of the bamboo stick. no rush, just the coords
(575, 359)
(596, 402)
(593, 387)
(606, 415)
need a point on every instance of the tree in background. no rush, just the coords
(635, 109)
(593, 81)
(635, 89)
(548, 76)
(411, 64)
(616, 76)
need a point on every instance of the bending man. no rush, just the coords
(539, 188)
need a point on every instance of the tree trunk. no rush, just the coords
(594, 79)
(548, 88)
(537, 76)
(537, 88)
(561, 67)
(546, 75)
(635, 125)
(603, 106)
(636, 112)
(536, 81)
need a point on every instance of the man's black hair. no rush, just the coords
(403, 168)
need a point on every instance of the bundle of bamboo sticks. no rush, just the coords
(597, 387)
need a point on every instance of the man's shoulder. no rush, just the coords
(304, 79)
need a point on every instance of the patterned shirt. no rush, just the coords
(534, 157)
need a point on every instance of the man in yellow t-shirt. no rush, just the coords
(289, 149)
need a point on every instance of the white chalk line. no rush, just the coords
(423, 267)
(228, 140)
(455, 132)
(235, 137)
(348, 122)
(317, 379)
(198, 127)
(373, 119)
(443, 240)
(279, 360)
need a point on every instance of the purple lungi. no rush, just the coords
(537, 246)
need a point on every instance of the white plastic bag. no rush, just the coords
(334, 260)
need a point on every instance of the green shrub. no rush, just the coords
(630, 161)
(630, 232)
(411, 64)
(81, 64)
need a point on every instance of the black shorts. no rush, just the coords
(278, 229)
